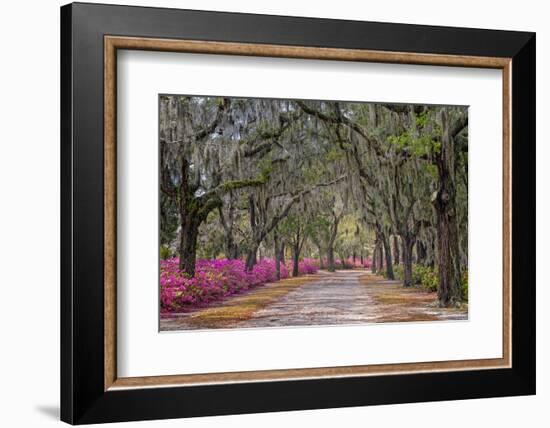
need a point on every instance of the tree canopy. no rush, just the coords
(246, 178)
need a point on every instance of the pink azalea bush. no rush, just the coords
(215, 280)
(350, 264)
(367, 263)
(308, 266)
(337, 263)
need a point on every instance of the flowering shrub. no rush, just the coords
(215, 280)
(305, 266)
(367, 263)
(350, 264)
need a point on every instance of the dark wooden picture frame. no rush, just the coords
(90, 389)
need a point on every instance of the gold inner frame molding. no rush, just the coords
(113, 43)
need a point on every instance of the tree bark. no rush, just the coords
(332, 240)
(408, 243)
(388, 257)
(330, 257)
(421, 252)
(192, 214)
(188, 245)
(396, 249)
(380, 257)
(251, 258)
(449, 292)
(321, 261)
(449, 271)
(379, 252)
(374, 261)
(277, 253)
(295, 260)
(193, 211)
(231, 249)
(431, 262)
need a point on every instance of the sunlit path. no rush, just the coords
(342, 297)
(337, 298)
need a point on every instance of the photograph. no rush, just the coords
(296, 213)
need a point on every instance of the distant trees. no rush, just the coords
(315, 178)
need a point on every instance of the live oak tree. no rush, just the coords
(453, 122)
(295, 228)
(204, 143)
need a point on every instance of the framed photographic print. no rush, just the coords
(265, 213)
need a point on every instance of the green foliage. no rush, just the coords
(398, 272)
(211, 239)
(422, 276)
(266, 168)
(464, 286)
(400, 141)
(428, 278)
(422, 119)
(165, 252)
(318, 230)
(290, 225)
(334, 154)
(417, 145)
(239, 184)
(431, 169)
(352, 237)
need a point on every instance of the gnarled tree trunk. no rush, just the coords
(295, 260)
(332, 239)
(449, 292)
(251, 255)
(421, 252)
(374, 258)
(388, 257)
(408, 243)
(251, 258)
(321, 260)
(396, 255)
(188, 244)
(277, 253)
(193, 212)
(330, 259)
(378, 255)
